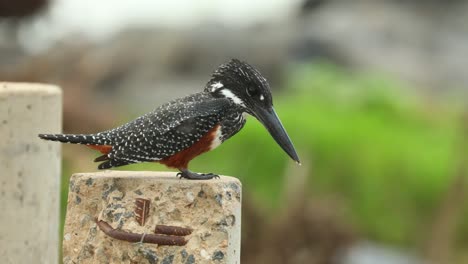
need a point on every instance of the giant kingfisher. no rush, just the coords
(178, 131)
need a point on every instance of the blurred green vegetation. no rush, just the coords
(384, 153)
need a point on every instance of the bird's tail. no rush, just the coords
(86, 139)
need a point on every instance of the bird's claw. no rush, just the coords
(214, 176)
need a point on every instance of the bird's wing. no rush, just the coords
(169, 129)
(173, 114)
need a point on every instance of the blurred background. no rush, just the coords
(374, 94)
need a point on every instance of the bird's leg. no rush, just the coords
(184, 173)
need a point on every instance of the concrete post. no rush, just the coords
(212, 209)
(29, 173)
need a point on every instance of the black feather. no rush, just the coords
(92, 139)
(101, 158)
(113, 163)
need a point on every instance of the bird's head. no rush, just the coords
(246, 87)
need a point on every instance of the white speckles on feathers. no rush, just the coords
(177, 125)
(168, 129)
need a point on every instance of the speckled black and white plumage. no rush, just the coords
(218, 112)
(165, 131)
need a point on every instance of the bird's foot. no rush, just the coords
(186, 174)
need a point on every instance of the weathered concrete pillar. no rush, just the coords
(29, 173)
(212, 209)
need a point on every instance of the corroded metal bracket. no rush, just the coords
(169, 235)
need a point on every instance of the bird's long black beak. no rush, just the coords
(271, 121)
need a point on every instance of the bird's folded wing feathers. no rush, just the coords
(169, 129)
(172, 115)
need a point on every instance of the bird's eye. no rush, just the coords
(252, 91)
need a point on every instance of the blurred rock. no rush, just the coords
(65, 66)
(21, 8)
(424, 42)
